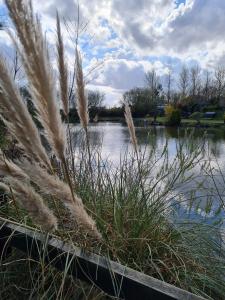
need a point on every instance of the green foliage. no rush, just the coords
(173, 116)
(142, 102)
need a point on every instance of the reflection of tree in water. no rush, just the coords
(197, 136)
(95, 136)
(153, 136)
(115, 137)
(213, 134)
(215, 149)
(171, 132)
(144, 135)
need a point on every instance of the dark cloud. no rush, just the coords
(204, 23)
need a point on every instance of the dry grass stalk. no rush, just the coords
(17, 118)
(49, 184)
(35, 58)
(82, 101)
(63, 71)
(31, 202)
(130, 124)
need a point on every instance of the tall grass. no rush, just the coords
(127, 212)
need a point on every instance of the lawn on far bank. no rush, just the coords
(209, 122)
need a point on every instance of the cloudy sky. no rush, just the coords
(134, 36)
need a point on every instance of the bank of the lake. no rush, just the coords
(161, 121)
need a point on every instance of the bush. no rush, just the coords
(173, 115)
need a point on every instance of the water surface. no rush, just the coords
(114, 140)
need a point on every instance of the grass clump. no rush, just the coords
(129, 212)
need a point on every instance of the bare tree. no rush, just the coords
(168, 83)
(195, 80)
(183, 81)
(95, 99)
(220, 83)
(207, 88)
(153, 84)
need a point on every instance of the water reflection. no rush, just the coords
(114, 140)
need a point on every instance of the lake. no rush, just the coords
(115, 141)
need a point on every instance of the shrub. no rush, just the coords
(173, 115)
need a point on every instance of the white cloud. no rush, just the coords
(143, 34)
(119, 75)
(112, 96)
(149, 27)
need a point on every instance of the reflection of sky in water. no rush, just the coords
(115, 141)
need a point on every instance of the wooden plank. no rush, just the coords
(111, 277)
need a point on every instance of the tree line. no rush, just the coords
(193, 90)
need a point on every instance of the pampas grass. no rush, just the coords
(8, 168)
(131, 202)
(30, 176)
(51, 185)
(130, 125)
(35, 58)
(16, 117)
(17, 183)
(32, 202)
(82, 101)
(62, 66)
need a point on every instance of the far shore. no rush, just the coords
(161, 121)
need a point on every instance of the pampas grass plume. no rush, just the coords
(82, 101)
(32, 203)
(130, 125)
(51, 185)
(63, 71)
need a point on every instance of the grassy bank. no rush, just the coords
(163, 121)
(202, 122)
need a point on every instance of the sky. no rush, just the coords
(128, 38)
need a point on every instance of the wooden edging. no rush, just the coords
(111, 277)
